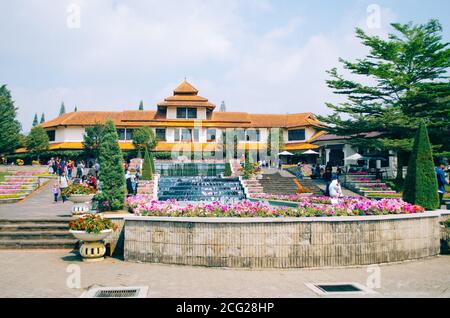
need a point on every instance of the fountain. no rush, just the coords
(200, 188)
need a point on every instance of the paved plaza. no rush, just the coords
(39, 205)
(45, 274)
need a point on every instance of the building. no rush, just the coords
(187, 121)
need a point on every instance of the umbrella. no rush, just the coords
(310, 152)
(285, 153)
(355, 156)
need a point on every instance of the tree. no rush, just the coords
(9, 126)
(62, 109)
(111, 174)
(406, 79)
(144, 137)
(92, 140)
(420, 185)
(227, 172)
(37, 141)
(35, 120)
(147, 171)
(42, 118)
(75, 109)
(141, 105)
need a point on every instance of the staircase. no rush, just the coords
(311, 184)
(36, 234)
(277, 184)
(367, 185)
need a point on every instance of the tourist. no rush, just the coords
(50, 164)
(69, 169)
(55, 191)
(442, 182)
(334, 188)
(80, 168)
(96, 168)
(92, 181)
(129, 183)
(63, 183)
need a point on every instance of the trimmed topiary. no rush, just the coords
(227, 172)
(147, 172)
(420, 185)
(111, 174)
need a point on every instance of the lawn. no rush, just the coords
(2, 175)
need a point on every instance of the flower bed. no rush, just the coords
(92, 224)
(81, 189)
(308, 207)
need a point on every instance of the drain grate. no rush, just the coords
(339, 288)
(116, 292)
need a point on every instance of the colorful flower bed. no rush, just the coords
(308, 207)
(92, 224)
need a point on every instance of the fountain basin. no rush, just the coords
(282, 242)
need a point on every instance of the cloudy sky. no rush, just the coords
(258, 56)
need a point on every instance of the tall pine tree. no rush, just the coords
(111, 173)
(35, 120)
(408, 80)
(141, 105)
(62, 109)
(9, 126)
(42, 118)
(147, 167)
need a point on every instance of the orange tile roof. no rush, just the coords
(218, 119)
(185, 88)
(299, 146)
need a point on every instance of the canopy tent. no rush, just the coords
(355, 157)
(285, 153)
(310, 152)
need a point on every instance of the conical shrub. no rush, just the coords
(147, 172)
(420, 185)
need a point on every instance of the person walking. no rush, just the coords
(63, 183)
(55, 191)
(442, 182)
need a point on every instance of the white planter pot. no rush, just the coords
(92, 248)
(91, 237)
(81, 198)
(81, 203)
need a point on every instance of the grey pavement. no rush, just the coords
(45, 274)
(39, 205)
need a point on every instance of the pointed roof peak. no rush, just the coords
(185, 88)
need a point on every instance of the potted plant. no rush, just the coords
(80, 195)
(91, 230)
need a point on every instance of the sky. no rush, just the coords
(258, 56)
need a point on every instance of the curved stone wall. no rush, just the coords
(281, 242)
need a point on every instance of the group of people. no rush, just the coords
(69, 172)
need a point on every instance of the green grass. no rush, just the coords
(2, 175)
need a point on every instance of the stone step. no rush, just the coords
(36, 221)
(34, 227)
(39, 244)
(35, 235)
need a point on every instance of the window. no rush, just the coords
(253, 135)
(186, 135)
(51, 135)
(240, 133)
(162, 112)
(297, 134)
(183, 113)
(211, 135)
(161, 134)
(195, 135)
(121, 133)
(129, 134)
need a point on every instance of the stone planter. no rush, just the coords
(92, 248)
(80, 203)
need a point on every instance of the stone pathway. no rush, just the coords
(422, 278)
(39, 205)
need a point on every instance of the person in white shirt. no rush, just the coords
(335, 189)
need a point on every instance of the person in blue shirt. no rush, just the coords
(442, 181)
